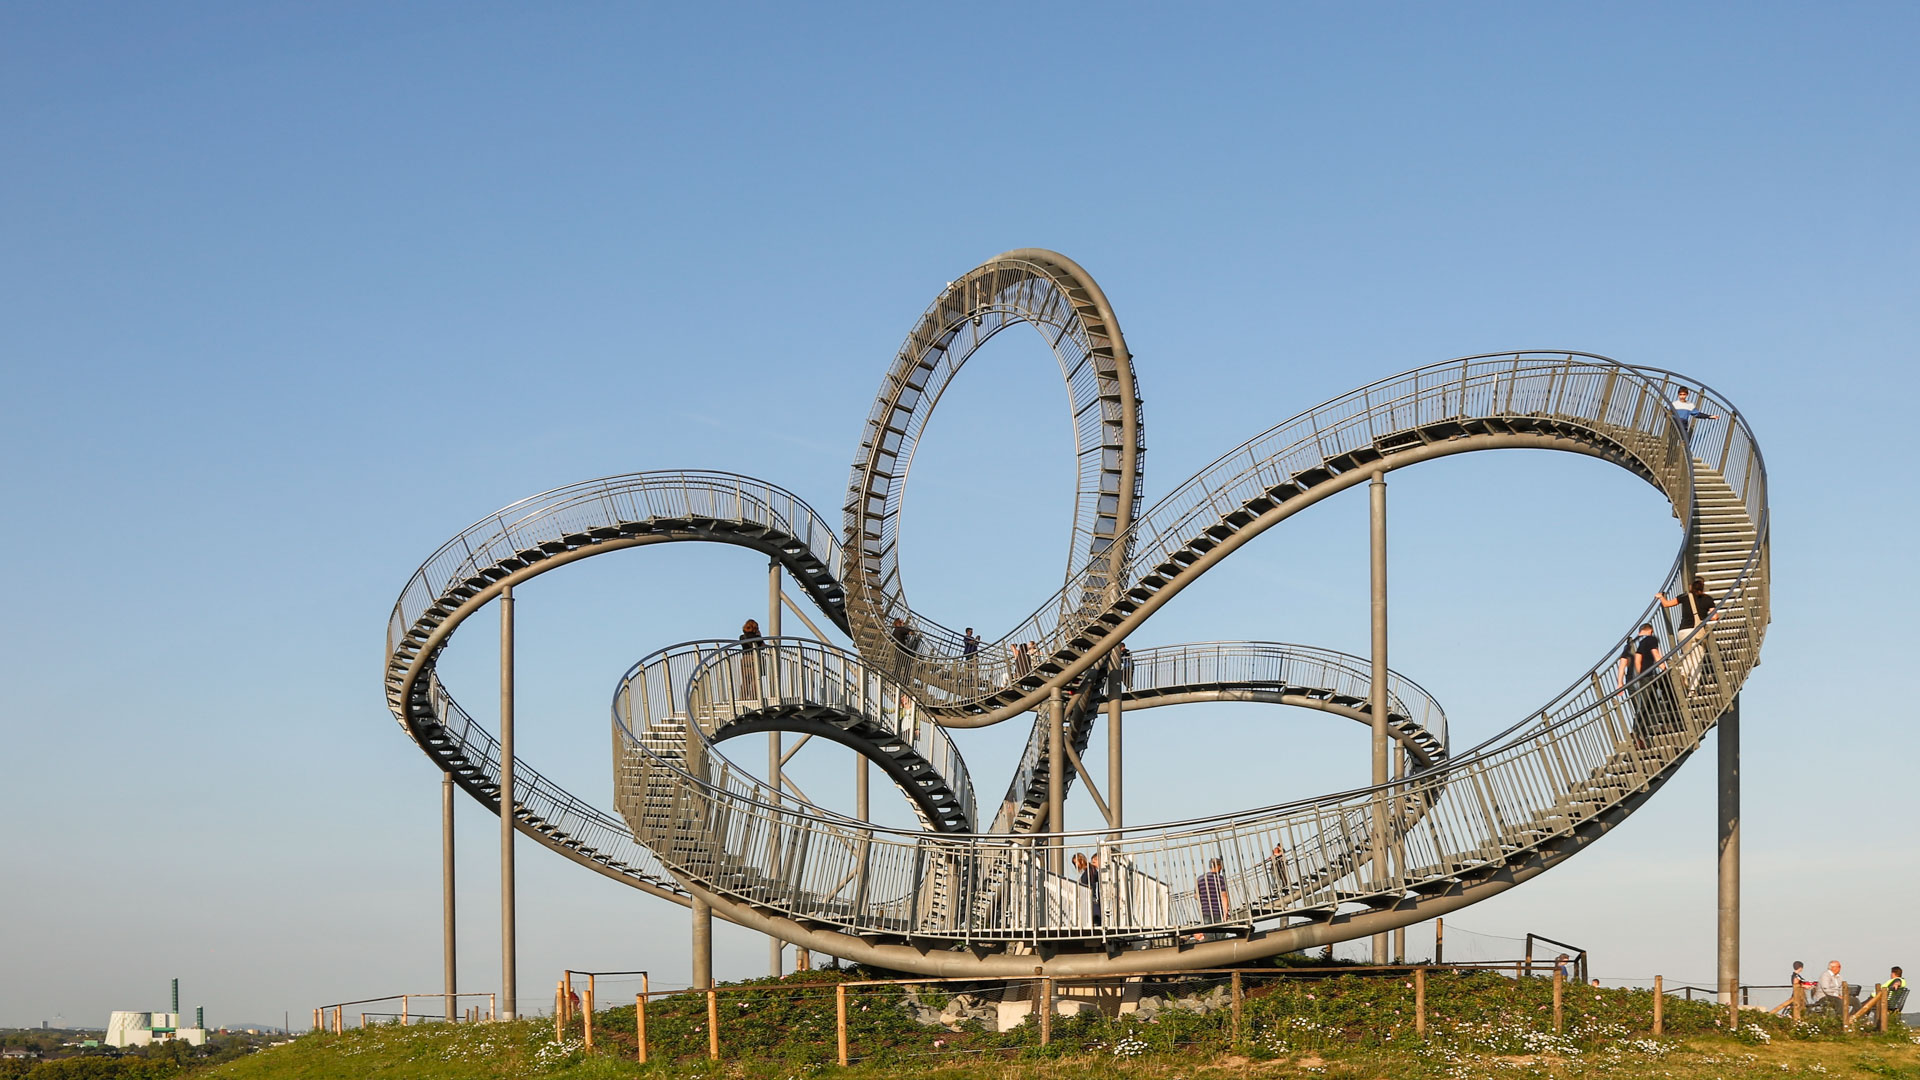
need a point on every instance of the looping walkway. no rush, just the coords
(948, 899)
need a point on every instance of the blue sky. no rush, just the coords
(295, 294)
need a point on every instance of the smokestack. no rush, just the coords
(200, 1016)
(176, 1001)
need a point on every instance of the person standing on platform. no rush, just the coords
(750, 643)
(1210, 889)
(1277, 869)
(1686, 409)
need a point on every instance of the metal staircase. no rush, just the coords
(1457, 827)
(1463, 826)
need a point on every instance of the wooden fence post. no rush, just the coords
(587, 1013)
(1420, 1002)
(713, 1025)
(559, 1013)
(840, 1021)
(1799, 1000)
(1046, 1010)
(1559, 996)
(566, 980)
(1659, 1008)
(403, 1010)
(1846, 1022)
(1883, 1010)
(1237, 998)
(316, 1019)
(640, 1018)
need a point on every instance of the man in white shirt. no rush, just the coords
(1832, 986)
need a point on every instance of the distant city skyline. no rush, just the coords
(299, 294)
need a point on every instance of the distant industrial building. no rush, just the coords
(126, 1029)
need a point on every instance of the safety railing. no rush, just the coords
(995, 297)
(1594, 748)
(1628, 405)
(719, 682)
(544, 808)
(519, 531)
(1303, 669)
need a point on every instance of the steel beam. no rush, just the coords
(702, 914)
(1729, 913)
(509, 973)
(1056, 779)
(1115, 709)
(446, 890)
(775, 757)
(1377, 519)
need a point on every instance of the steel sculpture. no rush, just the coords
(979, 890)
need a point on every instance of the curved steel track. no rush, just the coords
(950, 900)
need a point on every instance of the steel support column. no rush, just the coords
(1729, 929)
(1399, 849)
(446, 890)
(508, 959)
(1377, 502)
(1056, 779)
(776, 948)
(702, 944)
(1114, 711)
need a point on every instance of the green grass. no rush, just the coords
(1344, 1026)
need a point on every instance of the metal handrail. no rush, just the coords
(708, 682)
(611, 501)
(1242, 663)
(1584, 755)
(1575, 759)
(1599, 394)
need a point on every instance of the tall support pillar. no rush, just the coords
(1056, 779)
(1729, 935)
(770, 662)
(446, 890)
(508, 948)
(1377, 499)
(860, 810)
(1114, 772)
(702, 945)
(1399, 848)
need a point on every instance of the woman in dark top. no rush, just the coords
(1695, 604)
(1696, 607)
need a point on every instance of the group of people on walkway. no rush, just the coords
(1656, 708)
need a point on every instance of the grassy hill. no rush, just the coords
(1340, 1027)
